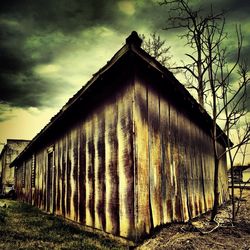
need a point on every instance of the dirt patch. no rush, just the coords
(189, 236)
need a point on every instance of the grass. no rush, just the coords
(25, 227)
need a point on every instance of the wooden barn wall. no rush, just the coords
(134, 163)
(173, 161)
(92, 177)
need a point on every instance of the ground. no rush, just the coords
(25, 227)
(189, 236)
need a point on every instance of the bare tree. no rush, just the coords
(228, 99)
(194, 21)
(210, 74)
(233, 112)
(157, 48)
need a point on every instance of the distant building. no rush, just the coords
(10, 151)
(241, 175)
(132, 150)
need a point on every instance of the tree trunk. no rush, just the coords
(199, 68)
(216, 189)
(201, 95)
(232, 194)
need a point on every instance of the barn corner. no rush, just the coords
(129, 152)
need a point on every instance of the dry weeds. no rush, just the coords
(226, 236)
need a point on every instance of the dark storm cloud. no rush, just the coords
(27, 90)
(19, 87)
(232, 54)
(236, 13)
(64, 15)
(248, 98)
(29, 37)
(36, 32)
(245, 55)
(235, 9)
(13, 61)
(238, 9)
(150, 14)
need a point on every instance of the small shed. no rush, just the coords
(241, 175)
(10, 151)
(132, 150)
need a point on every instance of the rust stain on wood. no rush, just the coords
(82, 176)
(63, 175)
(143, 217)
(101, 172)
(68, 173)
(75, 174)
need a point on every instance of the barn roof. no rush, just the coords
(133, 45)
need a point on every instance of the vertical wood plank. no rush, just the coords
(173, 161)
(143, 220)
(154, 157)
(165, 161)
(182, 165)
(76, 173)
(55, 171)
(45, 165)
(202, 176)
(112, 180)
(59, 181)
(125, 165)
(97, 186)
(64, 154)
(190, 173)
(187, 170)
(40, 181)
(82, 175)
(73, 175)
(68, 175)
(197, 173)
(100, 187)
(37, 180)
(90, 154)
(178, 166)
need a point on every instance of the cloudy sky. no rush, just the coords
(50, 49)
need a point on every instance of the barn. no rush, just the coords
(130, 151)
(9, 152)
(241, 176)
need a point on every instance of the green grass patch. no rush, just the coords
(3, 215)
(25, 227)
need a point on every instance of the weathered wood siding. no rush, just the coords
(174, 162)
(137, 160)
(91, 179)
